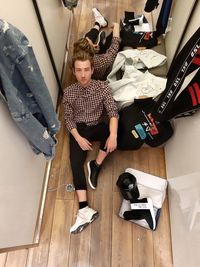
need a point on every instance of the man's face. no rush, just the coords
(83, 72)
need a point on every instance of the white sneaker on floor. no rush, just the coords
(99, 18)
(84, 217)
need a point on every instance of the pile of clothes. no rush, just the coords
(148, 103)
(135, 31)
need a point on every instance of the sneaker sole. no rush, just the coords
(89, 173)
(80, 228)
(83, 226)
(94, 217)
(106, 22)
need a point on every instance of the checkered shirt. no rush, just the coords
(87, 105)
(103, 62)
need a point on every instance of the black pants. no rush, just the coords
(99, 132)
(93, 34)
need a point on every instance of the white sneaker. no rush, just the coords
(84, 217)
(99, 18)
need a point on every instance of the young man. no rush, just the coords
(84, 103)
(105, 52)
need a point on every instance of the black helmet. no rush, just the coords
(127, 184)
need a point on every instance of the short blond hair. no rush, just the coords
(82, 56)
(83, 45)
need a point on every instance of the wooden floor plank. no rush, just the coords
(3, 257)
(79, 254)
(120, 161)
(85, 20)
(80, 249)
(17, 258)
(65, 175)
(157, 162)
(142, 238)
(59, 246)
(162, 240)
(142, 247)
(122, 243)
(161, 237)
(102, 228)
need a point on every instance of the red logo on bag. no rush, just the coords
(196, 60)
(194, 91)
(153, 128)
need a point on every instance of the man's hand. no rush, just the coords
(115, 29)
(84, 143)
(111, 144)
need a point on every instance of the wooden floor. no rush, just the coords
(109, 241)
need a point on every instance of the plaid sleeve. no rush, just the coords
(102, 62)
(108, 58)
(68, 113)
(109, 103)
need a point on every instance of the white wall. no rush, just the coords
(182, 151)
(183, 173)
(22, 172)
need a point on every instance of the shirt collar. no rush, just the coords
(88, 89)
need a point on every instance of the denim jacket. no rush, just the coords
(23, 88)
